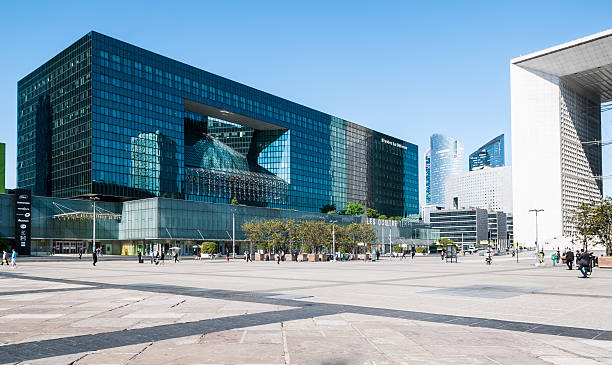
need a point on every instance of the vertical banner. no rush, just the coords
(23, 221)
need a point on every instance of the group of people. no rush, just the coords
(412, 253)
(13, 258)
(585, 260)
(158, 257)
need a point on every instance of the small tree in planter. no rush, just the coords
(601, 226)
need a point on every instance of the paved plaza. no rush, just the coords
(65, 311)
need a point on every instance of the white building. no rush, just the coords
(556, 97)
(487, 188)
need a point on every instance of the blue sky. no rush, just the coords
(408, 69)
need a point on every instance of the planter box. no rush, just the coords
(260, 257)
(289, 257)
(323, 257)
(302, 257)
(605, 261)
(313, 257)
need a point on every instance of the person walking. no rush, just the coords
(176, 256)
(249, 258)
(162, 257)
(553, 258)
(80, 253)
(139, 257)
(278, 257)
(4, 258)
(583, 263)
(569, 259)
(558, 255)
(412, 253)
(14, 259)
(95, 257)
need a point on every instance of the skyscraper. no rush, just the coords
(486, 188)
(445, 160)
(428, 177)
(490, 154)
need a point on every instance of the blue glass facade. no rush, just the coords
(491, 154)
(109, 118)
(445, 160)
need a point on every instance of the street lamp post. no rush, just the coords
(536, 219)
(94, 198)
(234, 234)
(333, 239)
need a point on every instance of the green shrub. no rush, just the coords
(421, 249)
(209, 247)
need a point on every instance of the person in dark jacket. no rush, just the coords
(584, 260)
(569, 259)
(139, 257)
(95, 257)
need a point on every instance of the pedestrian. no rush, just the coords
(139, 257)
(152, 256)
(249, 257)
(564, 257)
(558, 255)
(278, 257)
(176, 256)
(569, 259)
(584, 262)
(80, 253)
(246, 259)
(14, 259)
(95, 257)
(377, 255)
(412, 253)
(576, 257)
(442, 255)
(541, 256)
(553, 258)
(4, 258)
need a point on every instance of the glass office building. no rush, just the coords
(106, 117)
(445, 158)
(491, 154)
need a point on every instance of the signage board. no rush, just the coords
(23, 221)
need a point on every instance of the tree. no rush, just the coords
(313, 236)
(442, 242)
(209, 247)
(328, 208)
(601, 227)
(235, 201)
(354, 208)
(254, 231)
(382, 216)
(372, 213)
(583, 222)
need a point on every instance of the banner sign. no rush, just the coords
(23, 221)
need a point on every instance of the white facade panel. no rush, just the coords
(536, 154)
